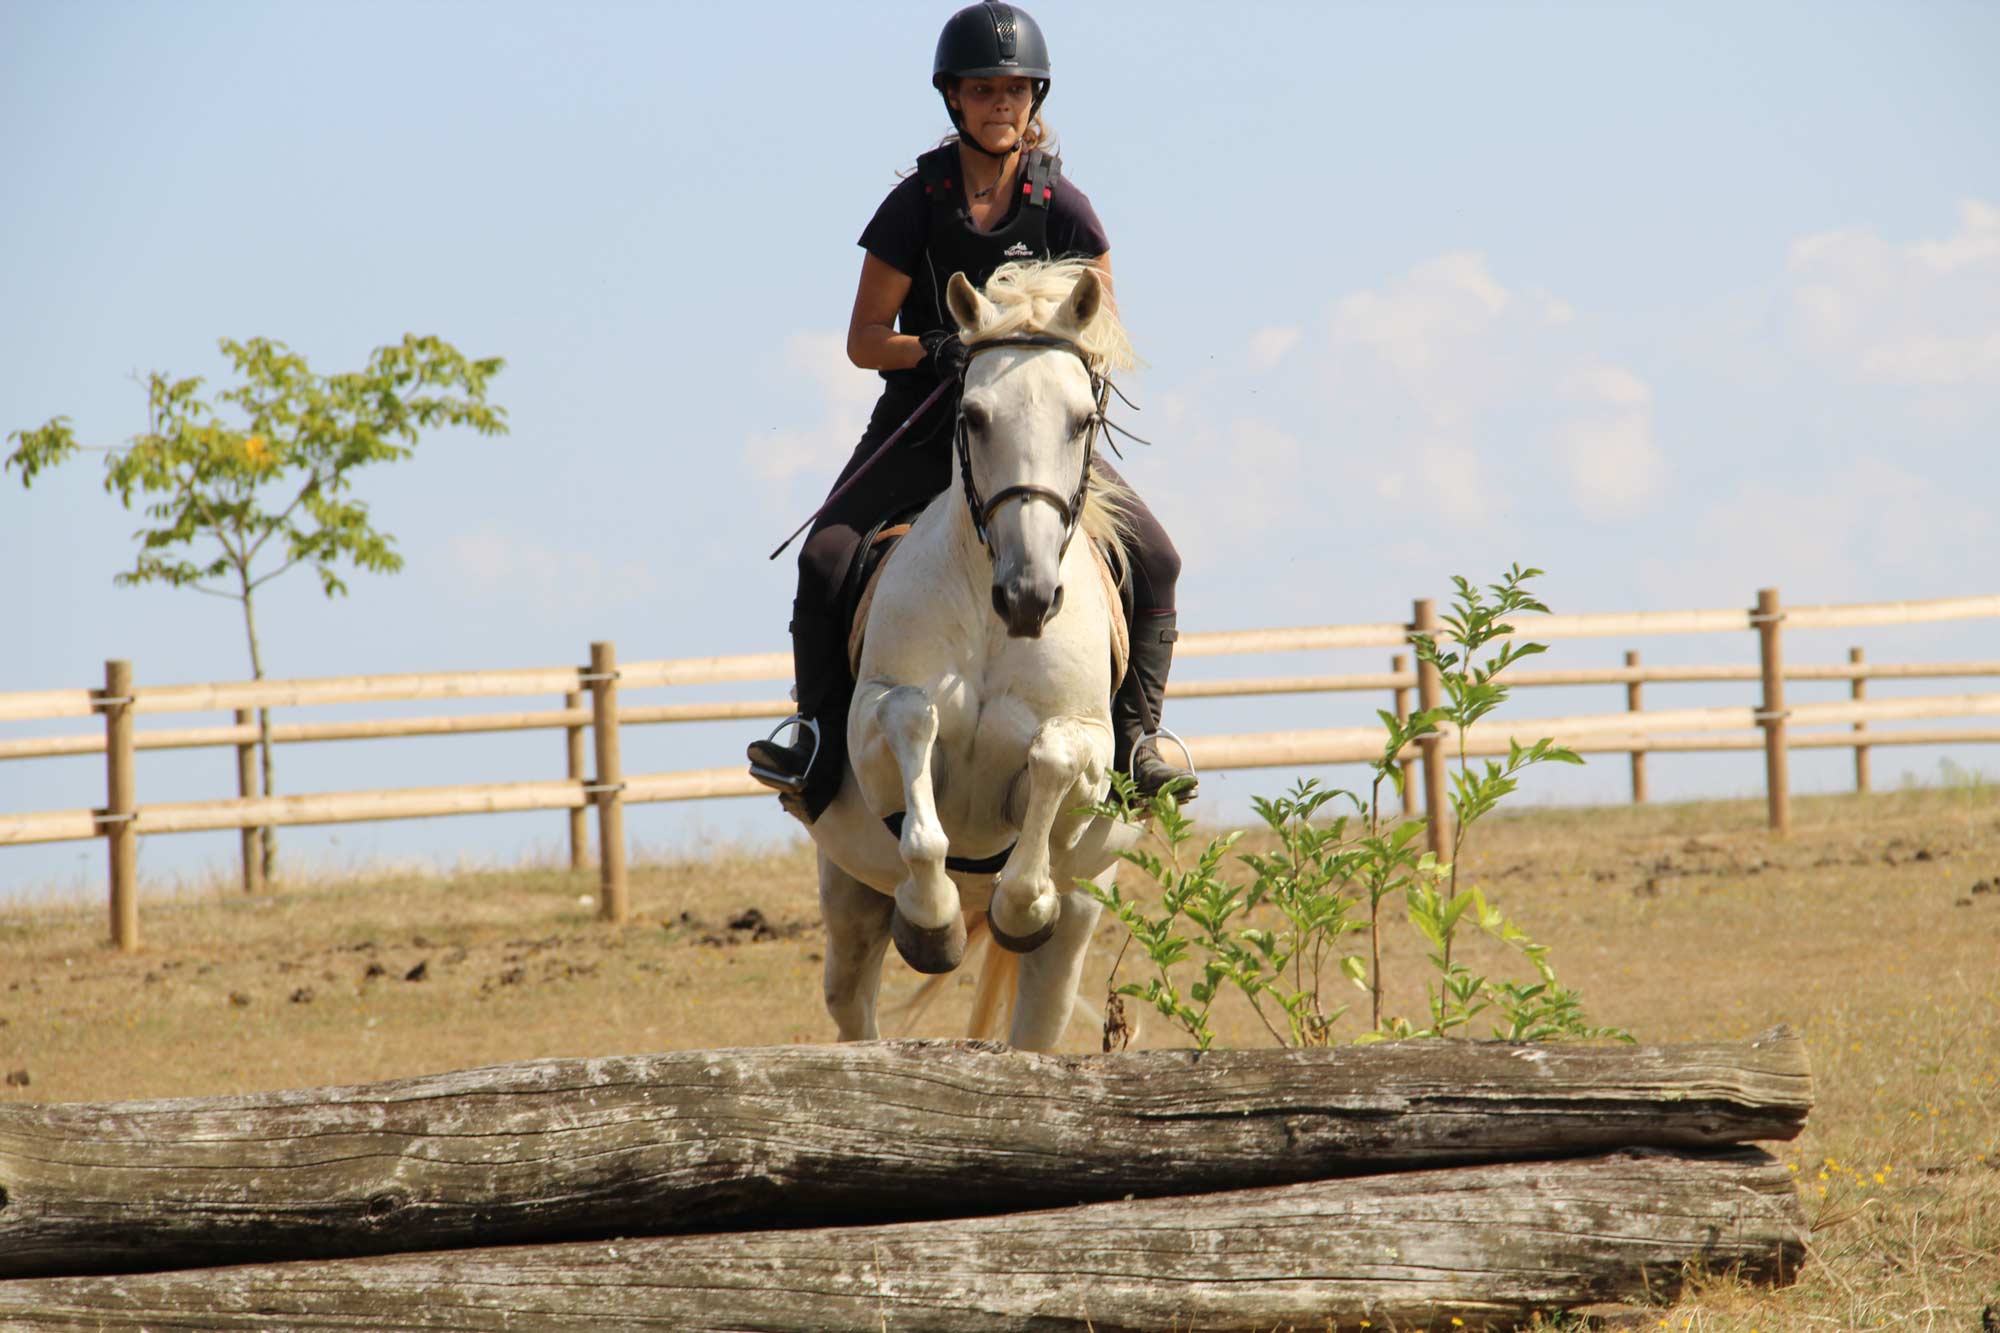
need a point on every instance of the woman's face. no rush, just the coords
(995, 110)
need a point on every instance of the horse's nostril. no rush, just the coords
(999, 601)
(1055, 605)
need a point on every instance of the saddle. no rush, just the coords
(881, 546)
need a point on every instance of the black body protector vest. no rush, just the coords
(956, 246)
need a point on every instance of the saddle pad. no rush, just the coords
(1121, 637)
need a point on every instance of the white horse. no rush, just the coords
(981, 716)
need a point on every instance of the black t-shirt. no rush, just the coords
(901, 227)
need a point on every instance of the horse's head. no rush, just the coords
(1028, 413)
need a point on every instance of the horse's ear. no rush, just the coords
(1085, 300)
(972, 311)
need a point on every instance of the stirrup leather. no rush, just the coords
(789, 782)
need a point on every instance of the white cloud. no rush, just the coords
(1923, 315)
(493, 566)
(1612, 385)
(1609, 459)
(842, 398)
(1413, 322)
(1838, 536)
(1613, 466)
(1268, 346)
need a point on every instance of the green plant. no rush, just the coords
(242, 503)
(1327, 877)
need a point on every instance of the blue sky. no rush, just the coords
(1674, 301)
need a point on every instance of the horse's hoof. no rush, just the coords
(1024, 943)
(931, 950)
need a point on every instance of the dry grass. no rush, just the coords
(1679, 923)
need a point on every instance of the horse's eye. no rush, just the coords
(1081, 425)
(976, 418)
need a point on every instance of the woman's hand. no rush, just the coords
(945, 353)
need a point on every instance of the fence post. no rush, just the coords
(1769, 621)
(609, 787)
(246, 787)
(121, 839)
(1399, 664)
(579, 821)
(1437, 807)
(1635, 703)
(1859, 692)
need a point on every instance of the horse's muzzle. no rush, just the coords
(1026, 605)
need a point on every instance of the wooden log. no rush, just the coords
(247, 789)
(707, 1140)
(1478, 1247)
(308, 691)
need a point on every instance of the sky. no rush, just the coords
(1674, 302)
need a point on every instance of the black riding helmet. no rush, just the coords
(987, 40)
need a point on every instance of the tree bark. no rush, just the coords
(267, 837)
(790, 1136)
(1488, 1245)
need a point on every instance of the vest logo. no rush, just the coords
(1018, 250)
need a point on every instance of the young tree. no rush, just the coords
(232, 504)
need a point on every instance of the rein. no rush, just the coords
(1070, 507)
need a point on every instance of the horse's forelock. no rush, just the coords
(1027, 294)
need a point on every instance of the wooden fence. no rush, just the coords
(1769, 724)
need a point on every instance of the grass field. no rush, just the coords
(1874, 929)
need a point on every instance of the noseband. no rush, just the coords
(1070, 507)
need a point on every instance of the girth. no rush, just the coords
(985, 865)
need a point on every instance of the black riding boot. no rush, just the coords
(793, 769)
(1135, 708)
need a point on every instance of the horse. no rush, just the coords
(979, 732)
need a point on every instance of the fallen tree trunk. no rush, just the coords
(790, 1136)
(1489, 1245)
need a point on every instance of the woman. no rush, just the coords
(988, 194)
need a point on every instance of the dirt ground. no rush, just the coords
(1874, 929)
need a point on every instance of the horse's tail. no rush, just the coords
(993, 994)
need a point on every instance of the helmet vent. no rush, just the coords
(1005, 30)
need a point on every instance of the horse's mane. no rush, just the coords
(1027, 294)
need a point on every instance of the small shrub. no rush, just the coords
(1335, 860)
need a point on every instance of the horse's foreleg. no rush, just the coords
(929, 922)
(857, 935)
(1064, 770)
(1051, 974)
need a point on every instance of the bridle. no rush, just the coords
(1070, 507)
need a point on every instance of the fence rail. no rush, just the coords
(592, 699)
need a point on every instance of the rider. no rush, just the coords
(988, 194)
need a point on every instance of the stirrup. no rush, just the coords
(789, 782)
(1131, 762)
